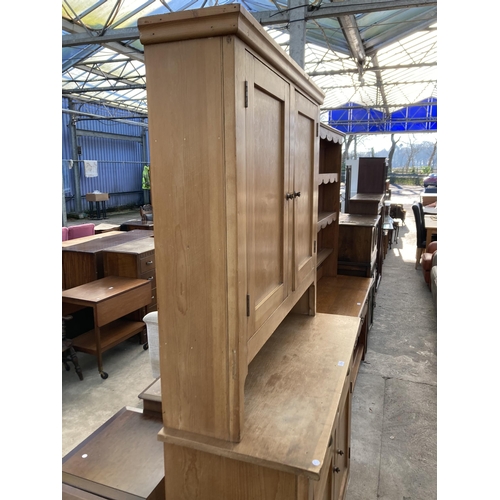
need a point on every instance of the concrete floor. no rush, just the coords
(394, 408)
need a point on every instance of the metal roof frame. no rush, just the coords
(376, 54)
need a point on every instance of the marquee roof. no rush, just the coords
(379, 56)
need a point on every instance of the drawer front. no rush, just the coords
(147, 264)
(150, 276)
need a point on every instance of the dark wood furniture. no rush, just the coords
(358, 244)
(135, 224)
(372, 175)
(111, 299)
(82, 262)
(122, 460)
(366, 204)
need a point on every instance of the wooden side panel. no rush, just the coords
(205, 476)
(187, 141)
(267, 128)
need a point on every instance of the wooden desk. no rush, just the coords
(82, 262)
(430, 227)
(428, 198)
(121, 460)
(111, 298)
(84, 239)
(105, 228)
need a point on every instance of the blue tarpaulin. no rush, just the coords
(353, 118)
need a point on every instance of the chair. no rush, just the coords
(65, 236)
(81, 230)
(422, 217)
(427, 261)
(419, 224)
(146, 213)
(397, 211)
(68, 351)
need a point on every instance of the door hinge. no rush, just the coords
(314, 251)
(317, 129)
(246, 94)
(248, 305)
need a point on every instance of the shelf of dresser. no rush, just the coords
(327, 178)
(325, 219)
(323, 255)
(298, 376)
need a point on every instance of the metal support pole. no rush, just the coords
(297, 31)
(76, 163)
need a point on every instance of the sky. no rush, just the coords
(383, 141)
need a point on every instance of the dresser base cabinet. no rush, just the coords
(296, 438)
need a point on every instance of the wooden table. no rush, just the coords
(111, 298)
(430, 227)
(121, 460)
(428, 198)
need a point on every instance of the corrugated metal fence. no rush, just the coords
(117, 146)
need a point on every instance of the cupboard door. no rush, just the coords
(305, 146)
(268, 210)
(341, 452)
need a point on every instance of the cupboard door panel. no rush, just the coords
(306, 151)
(267, 156)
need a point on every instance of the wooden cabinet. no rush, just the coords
(134, 259)
(233, 127)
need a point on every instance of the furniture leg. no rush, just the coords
(418, 256)
(74, 359)
(97, 333)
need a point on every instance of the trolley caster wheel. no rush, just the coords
(68, 368)
(104, 375)
(145, 346)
